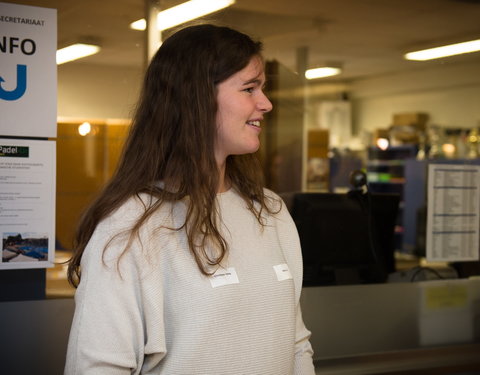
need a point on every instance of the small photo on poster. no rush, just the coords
(24, 247)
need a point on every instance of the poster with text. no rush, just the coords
(28, 71)
(27, 203)
(453, 213)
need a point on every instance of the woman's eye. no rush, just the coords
(249, 90)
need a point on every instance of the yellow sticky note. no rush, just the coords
(446, 296)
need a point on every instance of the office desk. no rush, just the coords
(389, 329)
(460, 359)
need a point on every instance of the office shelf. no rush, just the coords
(386, 174)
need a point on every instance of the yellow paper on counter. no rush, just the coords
(446, 296)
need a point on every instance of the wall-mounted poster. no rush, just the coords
(27, 203)
(28, 71)
(453, 217)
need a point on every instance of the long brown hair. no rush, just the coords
(172, 140)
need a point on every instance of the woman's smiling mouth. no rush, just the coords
(255, 123)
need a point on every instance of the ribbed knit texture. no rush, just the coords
(153, 312)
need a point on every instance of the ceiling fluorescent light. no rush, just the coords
(444, 51)
(139, 24)
(76, 51)
(322, 72)
(188, 11)
(184, 12)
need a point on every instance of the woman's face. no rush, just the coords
(241, 106)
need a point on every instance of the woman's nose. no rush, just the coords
(264, 104)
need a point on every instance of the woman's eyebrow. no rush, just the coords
(255, 81)
(251, 81)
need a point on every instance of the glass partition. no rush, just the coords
(383, 115)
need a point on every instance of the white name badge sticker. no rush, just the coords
(224, 277)
(283, 272)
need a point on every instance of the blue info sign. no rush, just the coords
(28, 71)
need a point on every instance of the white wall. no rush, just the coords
(96, 91)
(450, 94)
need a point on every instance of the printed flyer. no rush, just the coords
(27, 203)
(453, 213)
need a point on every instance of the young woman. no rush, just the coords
(185, 264)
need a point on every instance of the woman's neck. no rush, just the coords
(223, 184)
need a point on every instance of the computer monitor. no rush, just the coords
(346, 238)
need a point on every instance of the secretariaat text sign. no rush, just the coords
(28, 71)
(27, 203)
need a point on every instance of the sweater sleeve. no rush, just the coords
(290, 243)
(117, 326)
(303, 363)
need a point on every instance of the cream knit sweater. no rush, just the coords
(153, 312)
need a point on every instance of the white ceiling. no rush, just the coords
(368, 37)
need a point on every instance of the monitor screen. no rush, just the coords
(346, 238)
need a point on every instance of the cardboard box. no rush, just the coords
(416, 119)
(318, 143)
